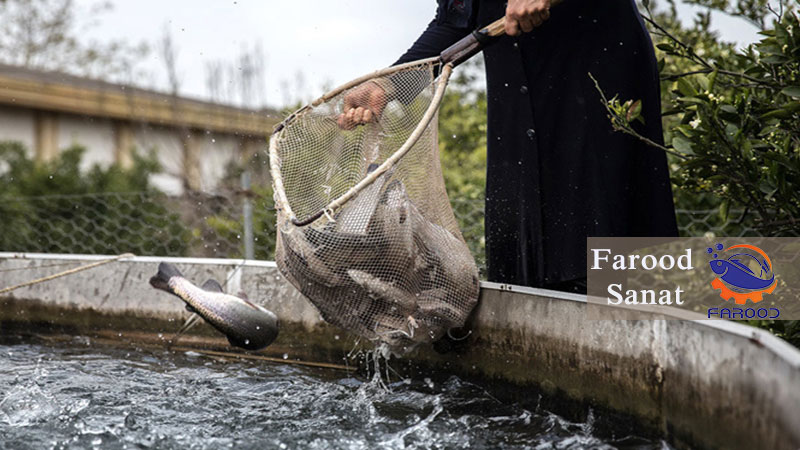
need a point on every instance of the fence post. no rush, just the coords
(247, 219)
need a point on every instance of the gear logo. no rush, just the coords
(745, 274)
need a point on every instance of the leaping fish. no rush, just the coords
(244, 323)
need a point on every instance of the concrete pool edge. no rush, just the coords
(698, 382)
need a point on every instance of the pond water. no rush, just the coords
(80, 395)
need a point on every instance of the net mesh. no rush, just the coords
(390, 264)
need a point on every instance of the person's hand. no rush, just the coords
(362, 105)
(523, 16)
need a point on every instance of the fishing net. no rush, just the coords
(365, 228)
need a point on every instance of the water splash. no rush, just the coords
(84, 397)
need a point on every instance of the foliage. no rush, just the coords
(462, 145)
(228, 229)
(732, 118)
(43, 205)
(462, 133)
(785, 329)
(733, 123)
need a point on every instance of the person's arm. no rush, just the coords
(366, 103)
(435, 38)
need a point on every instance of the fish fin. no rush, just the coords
(161, 279)
(212, 286)
(193, 320)
(158, 283)
(168, 271)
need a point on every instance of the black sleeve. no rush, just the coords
(437, 37)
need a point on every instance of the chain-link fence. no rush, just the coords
(144, 223)
(203, 225)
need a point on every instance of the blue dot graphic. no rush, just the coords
(719, 246)
(715, 255)
(709, 250)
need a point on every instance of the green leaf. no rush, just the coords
(634, 111)
(767, 187)
(682, 145)
(792, 91)
(665, 47)
(686, 88)
(712, 79)
(686, 130)
(723, 210)
(702, 80)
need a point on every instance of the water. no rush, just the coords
(82, 396)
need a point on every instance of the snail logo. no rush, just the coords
(745, 274)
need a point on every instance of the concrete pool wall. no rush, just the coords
(711, 384)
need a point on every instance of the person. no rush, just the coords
(556, 170)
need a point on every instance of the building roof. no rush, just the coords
(56, 91)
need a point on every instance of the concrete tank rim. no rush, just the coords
(140, 259)
(774, 344)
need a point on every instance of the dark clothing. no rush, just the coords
(557, 172)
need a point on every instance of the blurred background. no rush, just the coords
(143, 126)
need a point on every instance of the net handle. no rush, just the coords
(476, 41)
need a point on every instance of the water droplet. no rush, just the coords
(246, 341)
(531, 133)
(523, 90)
(285, 356)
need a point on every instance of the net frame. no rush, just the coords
(275, 159)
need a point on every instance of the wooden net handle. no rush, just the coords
(496, 28)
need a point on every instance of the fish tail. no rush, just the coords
(161, 279)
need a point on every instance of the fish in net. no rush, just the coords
(365, 227)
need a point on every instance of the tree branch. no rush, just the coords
(619, 125)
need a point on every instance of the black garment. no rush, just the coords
(557, 172)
